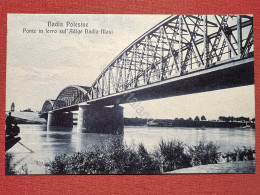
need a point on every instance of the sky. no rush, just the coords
(40, 65)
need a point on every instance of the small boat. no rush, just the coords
(10, 141)
(152, 123)
(246, 127)
(11, 137)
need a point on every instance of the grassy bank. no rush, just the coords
(119, 158)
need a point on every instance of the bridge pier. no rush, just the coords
(95, 119)
(64, 119)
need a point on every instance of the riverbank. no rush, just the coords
(186, 123)
(26, 118)
(230, 167)
(33, 118)
(168, 157)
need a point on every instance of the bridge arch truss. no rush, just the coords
(47, 106)
(179, 45)
(71, 95)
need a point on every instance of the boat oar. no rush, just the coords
(26, 147)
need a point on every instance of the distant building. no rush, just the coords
(26, 110)
(12, 107)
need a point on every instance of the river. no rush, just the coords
(48, 142)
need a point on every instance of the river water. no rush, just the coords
(48, 142)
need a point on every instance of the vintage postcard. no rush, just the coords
(129, 94)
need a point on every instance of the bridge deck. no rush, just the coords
(230, 74)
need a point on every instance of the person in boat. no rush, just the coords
(9, 123)
(15, 129)
(11, 132)
(10, 129)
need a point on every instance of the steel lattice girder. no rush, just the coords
(47, 106)
(71, 95)
(178, 45)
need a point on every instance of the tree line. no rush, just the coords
(197, 118)
(220, 118)
(233, 119)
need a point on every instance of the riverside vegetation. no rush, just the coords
(10, 168)
(120, 158)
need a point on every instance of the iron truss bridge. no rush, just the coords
(68, 99)
(182, 54)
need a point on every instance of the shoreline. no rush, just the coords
(25, 121)
(195, 124)
(228, 167)
(32, 118)
(186, 123)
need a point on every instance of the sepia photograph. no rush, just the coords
(129, 94)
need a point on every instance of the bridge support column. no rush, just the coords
(64, 119)
(95, 119)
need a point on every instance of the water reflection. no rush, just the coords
(58, 129)
(226, 138)
(85, 142)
